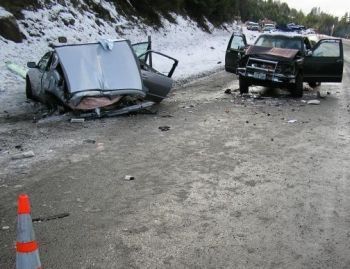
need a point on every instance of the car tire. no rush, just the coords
(243, 85)
(314, 84)
(298, 89)
(29, 92)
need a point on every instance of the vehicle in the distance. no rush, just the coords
(101, 76)
(268, 27)
(283, 61)
(253, 26)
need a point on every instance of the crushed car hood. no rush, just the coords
(283, 54)
(96, 68)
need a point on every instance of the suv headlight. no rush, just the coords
(285, 68)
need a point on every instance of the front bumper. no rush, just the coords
(261, 77)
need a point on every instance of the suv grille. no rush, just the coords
(262, 65)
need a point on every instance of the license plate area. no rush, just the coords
(259, 75)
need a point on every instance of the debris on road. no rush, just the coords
(52, 119)
(80, 120)
(23, 155)
(228, 91)
(313, 102)
(164, 128)
(92, 210)
(89, 141)
(129, 178)
(5, 228)
(54, 217)
(292, 121)
(16, 69)
(166, 116)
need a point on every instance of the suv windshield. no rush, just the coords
(279, 42)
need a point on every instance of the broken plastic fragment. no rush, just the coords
(129, 178)
(81, 120)
(314, 102)
(18, 70)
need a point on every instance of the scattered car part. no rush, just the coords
(16, 69)
(129, 178)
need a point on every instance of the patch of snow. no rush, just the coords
(4, 13)
(197, 51)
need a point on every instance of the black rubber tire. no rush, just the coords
(298, 89)
(243, 85)
(314, 84)
(29, 92)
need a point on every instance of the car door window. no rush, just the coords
(237, 42)
(43, 63)
(329, 48)
(141, 49)
(161, 64)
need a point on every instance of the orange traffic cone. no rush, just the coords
(27, 256)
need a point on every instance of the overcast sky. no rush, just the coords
(334, 7)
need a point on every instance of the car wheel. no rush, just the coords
(243, 85)
(29, 92)
(314, 84)
(298, 86)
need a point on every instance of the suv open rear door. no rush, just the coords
(235, 47)
(326, 62)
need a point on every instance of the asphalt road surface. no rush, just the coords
(232, 184)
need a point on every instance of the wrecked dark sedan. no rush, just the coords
(105, 78)
(283, 61)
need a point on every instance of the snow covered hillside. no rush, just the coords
(197, 50)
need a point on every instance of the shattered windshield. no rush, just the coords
(279, 42)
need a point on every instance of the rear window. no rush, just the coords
(279, 42)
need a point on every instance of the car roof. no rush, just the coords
(294, 36)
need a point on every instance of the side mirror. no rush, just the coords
(308, 53)
(31, 65)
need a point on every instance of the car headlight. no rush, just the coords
(285, 68)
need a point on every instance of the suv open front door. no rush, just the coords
(235, 47)
(326, 62)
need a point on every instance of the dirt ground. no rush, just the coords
(232, 184)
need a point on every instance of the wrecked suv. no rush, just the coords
(283, 61)
(105, 79)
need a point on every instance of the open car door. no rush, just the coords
(157, 71)
(235, 47)
(326, 62)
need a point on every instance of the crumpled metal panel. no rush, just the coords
(288, 54)
(92, 67)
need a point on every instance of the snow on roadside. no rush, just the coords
(4, 13)
(196, 50)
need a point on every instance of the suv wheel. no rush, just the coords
(29, 93)
(314, 84)
(298, 87)
(243, 85)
